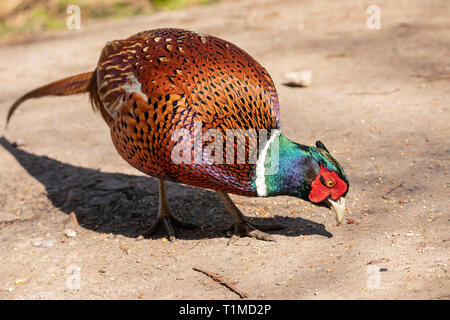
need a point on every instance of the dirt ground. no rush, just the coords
(379, 100)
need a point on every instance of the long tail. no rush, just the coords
(79, 83)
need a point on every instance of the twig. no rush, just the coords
(390, 191)
(223, 281)
(95, 242)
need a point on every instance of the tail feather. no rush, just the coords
(79, 83)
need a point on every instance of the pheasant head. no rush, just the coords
(306, 172)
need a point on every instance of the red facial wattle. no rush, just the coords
(327, 184)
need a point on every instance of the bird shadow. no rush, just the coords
(127, 204)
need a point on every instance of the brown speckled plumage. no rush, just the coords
(161, 80)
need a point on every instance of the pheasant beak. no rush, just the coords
(338, 208)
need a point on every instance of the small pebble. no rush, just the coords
(298, 79)
(43, 243)
(18, 143)
(70, 233)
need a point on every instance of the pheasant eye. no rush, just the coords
(330, 183)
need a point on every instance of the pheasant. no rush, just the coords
(173, 97)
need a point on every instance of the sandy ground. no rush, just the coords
(379, 101)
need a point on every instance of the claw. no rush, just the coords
(241, 226)
(168, 222)
(246, 229)
(257, 234)
(165, 217)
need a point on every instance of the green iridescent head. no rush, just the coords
(309, 173)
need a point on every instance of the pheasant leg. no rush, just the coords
(241, 226)
(165, 217)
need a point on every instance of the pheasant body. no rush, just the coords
(163, 86)
(164, 80)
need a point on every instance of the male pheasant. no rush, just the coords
(173, 98)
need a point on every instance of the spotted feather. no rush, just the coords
(159, 81)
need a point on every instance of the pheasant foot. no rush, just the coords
(166, 218)
(241, 226)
